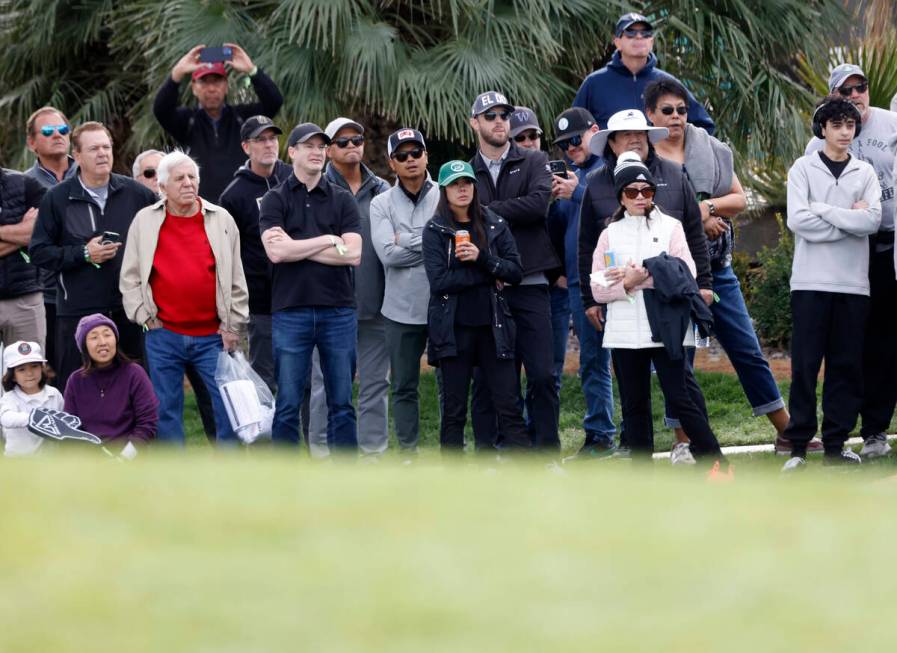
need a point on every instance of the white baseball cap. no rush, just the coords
(21, 352)
(630, 120)
(338, 123)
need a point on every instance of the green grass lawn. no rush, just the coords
(237, 553)
(730, 414)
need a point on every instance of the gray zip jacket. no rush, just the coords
(407, 288)
(831, 239)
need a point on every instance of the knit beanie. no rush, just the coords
(89, 322)
(630, 168)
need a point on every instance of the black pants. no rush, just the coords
(68, 357)
(50, 352)
(830, 326)
(531, 309)
(880, 346)
(633, 368)
(476, 348)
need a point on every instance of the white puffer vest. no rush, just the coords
(635, 239)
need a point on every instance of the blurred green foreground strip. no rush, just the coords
(229, 553)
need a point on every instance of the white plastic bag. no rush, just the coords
(247, 399)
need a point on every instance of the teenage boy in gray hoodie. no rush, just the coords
(398, 217)
(834, 205)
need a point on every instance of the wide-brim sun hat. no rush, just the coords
(630, 120)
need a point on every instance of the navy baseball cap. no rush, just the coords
(303, 131)
(628, 20)
(404, 135)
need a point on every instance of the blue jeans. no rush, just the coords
(735, 333)
(167, 354)
(594, 374)
(296, 332)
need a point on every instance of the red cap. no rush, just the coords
(204, 69)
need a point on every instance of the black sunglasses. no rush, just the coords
(492, 115)
(632, 193)
(527, 136)
(343, 142)
(149, 173)
(668, 110)
(573, 141)
(635, 33)
(846, 91)
(401, 157)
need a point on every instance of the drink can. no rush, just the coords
(461, 236)
(610, 259)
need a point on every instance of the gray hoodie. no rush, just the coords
(407, 288)
(369, 274)
(831, 239)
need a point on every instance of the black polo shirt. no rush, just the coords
(326, 209)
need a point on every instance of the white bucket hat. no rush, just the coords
(630, 120)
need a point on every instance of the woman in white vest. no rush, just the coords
(638, 230)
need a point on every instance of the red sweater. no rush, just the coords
(183, 277)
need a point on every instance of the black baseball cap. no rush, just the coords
(488, 101)
(303, 131)
(404, 135)
(572, 122)
(628, 20)
(254, 126)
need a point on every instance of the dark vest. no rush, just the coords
(17, 276)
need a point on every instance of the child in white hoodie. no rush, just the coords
(25, 388)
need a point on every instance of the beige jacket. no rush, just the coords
(231, 295)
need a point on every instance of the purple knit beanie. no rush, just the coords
(90, 322)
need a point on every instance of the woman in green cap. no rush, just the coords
(469, 254)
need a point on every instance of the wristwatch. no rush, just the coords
(712, 207)
(341, 249)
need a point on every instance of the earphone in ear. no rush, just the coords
(816, 126)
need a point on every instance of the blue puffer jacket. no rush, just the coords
(614, 88)
(563, 219)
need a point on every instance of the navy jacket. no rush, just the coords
(563, 221)
(214, 145)
(674, 303)
(614, 88)
(448, 277)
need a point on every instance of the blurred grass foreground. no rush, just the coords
(226, 553)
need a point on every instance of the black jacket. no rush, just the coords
(521, 197)
(675, 197)
(216, 148)
(674, 303)
(18, 193)
(242, 199)
(448, 277)
(67, 219)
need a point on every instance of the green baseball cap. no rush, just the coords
(453, 170)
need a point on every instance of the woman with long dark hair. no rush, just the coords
(469, 254)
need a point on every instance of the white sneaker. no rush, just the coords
(876, 446)
(794, 463)
(846, 457)
(681, 455)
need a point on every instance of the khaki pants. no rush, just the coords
(23, 318)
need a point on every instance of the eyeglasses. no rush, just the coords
(668, 110)
(632, 193)
(149, 173)
(343, 142)
(492, 115)
(847, 91)
(636, 33)
(47, 130)
(401, 157)
(531, 135)
(573, 141)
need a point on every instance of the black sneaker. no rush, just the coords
(846, 457)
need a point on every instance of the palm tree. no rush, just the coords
(414, 62)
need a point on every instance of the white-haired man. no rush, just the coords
(182, 279)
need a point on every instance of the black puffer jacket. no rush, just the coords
(448, 277)
(675, 197)
(242, 199)
(18, 193)
(215, 146)
(521, 197)
(67, 219)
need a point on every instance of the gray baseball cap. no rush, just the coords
(489, 101)
(841, 73)
(523, 119)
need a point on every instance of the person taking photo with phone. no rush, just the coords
(210, 133)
